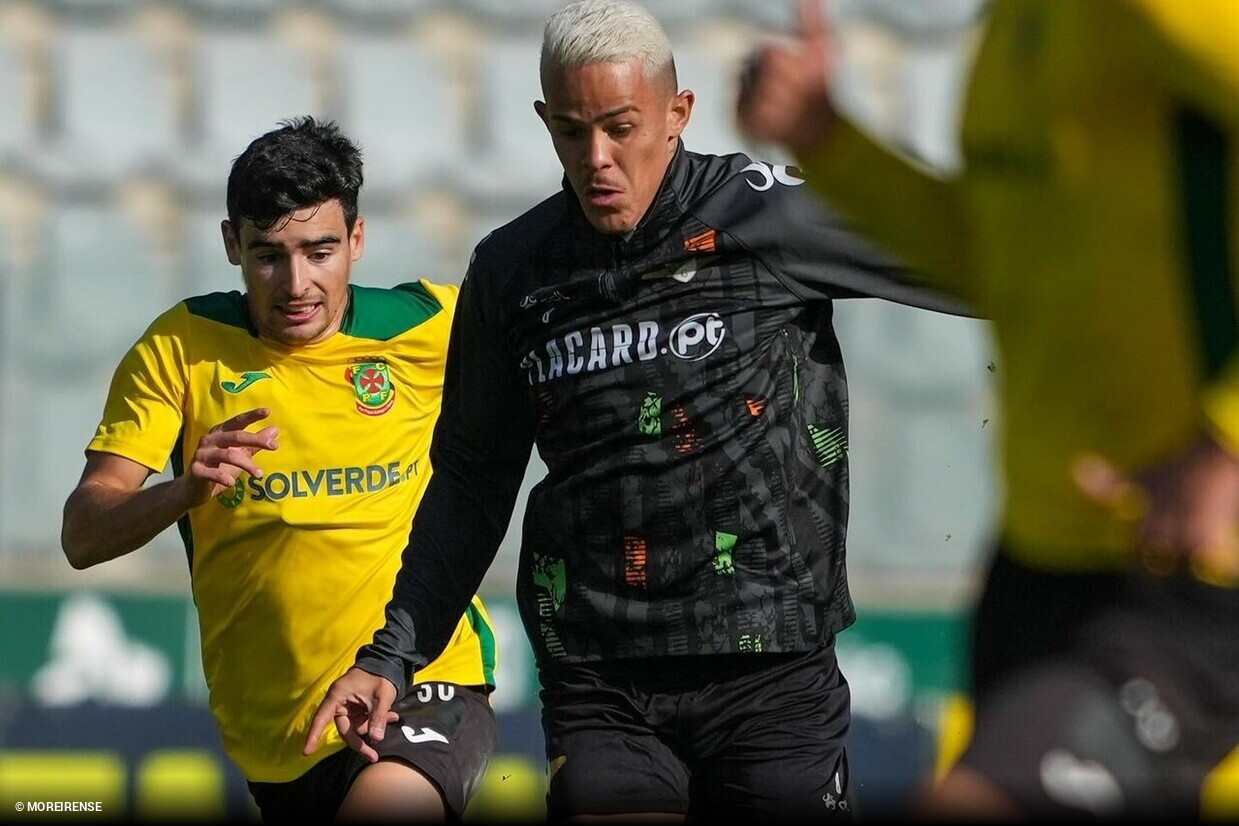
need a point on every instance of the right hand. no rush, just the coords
(360, 703)
(225, 452)
(785, 90)
(1185, 507)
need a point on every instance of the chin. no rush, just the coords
(296, 335)
(610, 223)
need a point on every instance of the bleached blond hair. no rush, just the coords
(606, 31)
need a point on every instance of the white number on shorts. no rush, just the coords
(427, 735)
(426, 692)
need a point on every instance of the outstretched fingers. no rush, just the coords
(360, 705)
(243, 419)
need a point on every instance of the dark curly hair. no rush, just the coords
(303, 163)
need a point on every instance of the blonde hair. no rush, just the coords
(606, 31)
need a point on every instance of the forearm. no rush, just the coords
(479, 453)
(457, 531)
(103, 522)
(912, 213)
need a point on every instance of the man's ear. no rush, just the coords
(539, 106)
(680, 111)
(357, 238)
(232, 242)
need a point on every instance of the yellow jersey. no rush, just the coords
(1095, 221)
(291, 572)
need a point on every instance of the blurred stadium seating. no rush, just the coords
(102, 134)
(121, 118)
(412, 129)
(103, 95)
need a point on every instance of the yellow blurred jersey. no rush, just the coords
(1095, 222)
(291, 572)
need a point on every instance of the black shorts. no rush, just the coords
(445, 731)
(1119, 705)
(747, 737)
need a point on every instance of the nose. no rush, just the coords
(297, 276)
(599, 154)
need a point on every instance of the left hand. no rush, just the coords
(1187, 506)
(360, 703)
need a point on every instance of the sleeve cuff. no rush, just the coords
(398, 674)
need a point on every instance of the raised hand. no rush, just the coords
(785, 89)
(227, 451)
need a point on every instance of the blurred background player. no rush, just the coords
(293, 531)
(1095, 222)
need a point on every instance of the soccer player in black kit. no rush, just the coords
(661, 329)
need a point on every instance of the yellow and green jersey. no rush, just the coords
(1096, 223)
(291, 572)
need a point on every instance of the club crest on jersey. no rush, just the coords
(372, 384)
(232, 497)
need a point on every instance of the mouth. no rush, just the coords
(602, 196)
(298, 313)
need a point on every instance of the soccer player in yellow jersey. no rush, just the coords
(1096, 222)
(297, 416)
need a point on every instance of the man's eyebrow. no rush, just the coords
(604, 116)
(322, 240)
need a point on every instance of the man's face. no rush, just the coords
(615, 132)
(296, 272)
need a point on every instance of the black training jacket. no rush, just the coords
(685, 389)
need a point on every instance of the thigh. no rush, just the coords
(448, 733)
(769, 745)
(605, 755)
(314, 796)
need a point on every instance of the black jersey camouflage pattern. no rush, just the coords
(685, 389)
